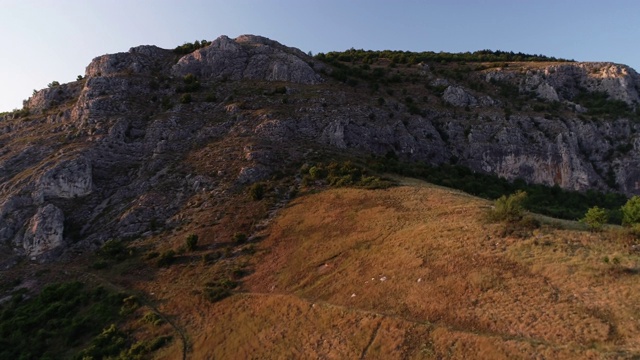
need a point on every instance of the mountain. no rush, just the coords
(115, 171)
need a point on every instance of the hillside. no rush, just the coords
(413, 271)
(244, 180)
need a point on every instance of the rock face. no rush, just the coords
(139, 60)
(248, 57)
(121, 153)
(68, 179)
(44, 231)
(564, 81)
(457, 96)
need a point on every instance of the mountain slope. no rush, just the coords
(415, 272)
(149, 131)
(111, 179)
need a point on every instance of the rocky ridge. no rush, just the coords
(124, 150)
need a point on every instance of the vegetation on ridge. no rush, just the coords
(408, 57)
(188, 47)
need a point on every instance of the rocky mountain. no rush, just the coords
(148, 138)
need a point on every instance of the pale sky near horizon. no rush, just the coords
(46, 40)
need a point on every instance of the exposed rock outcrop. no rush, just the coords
(249, 57)
(559, 82)
(68, 179)
(44, 232)
(144, 59)
(129, 148)
(457, 96)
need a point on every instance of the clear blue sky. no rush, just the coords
(46, 40)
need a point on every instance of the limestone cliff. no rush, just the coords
(125, 150)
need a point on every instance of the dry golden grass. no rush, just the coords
(422, 255)
(405, 273)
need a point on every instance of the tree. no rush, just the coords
(509, 208)
(53, 84)
(595, 218)
(631, 212)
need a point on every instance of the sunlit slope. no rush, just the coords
(416, 272)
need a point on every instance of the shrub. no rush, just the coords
(595, 218)
(53, 84)
(219, 289)
(192, 242)
(509, 208)
(187, 48)
(256, 191)
(631, 212)
(239, 237)
(114, 250)
(152, 318)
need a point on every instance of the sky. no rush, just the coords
(47, 40)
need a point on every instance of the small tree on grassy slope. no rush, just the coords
(595, 218)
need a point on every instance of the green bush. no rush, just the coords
(345, 173)
(219, 289)
(191, 242)
(108, 344)
(152, 318)
(187, 48)
(256, 191)
(509, 208)
(631, 212)
(595, 218)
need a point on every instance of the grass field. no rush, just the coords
(415, 271)
(409, 272)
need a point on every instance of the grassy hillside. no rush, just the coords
(415, 272)
(408, 272)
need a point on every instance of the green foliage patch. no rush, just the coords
(595, 218)
(407, 57)
(188, 48)
(631, 212)
(50, 325)
(346, 173)
(217, 290)
(599, 104)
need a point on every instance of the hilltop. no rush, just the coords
(171, 179)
